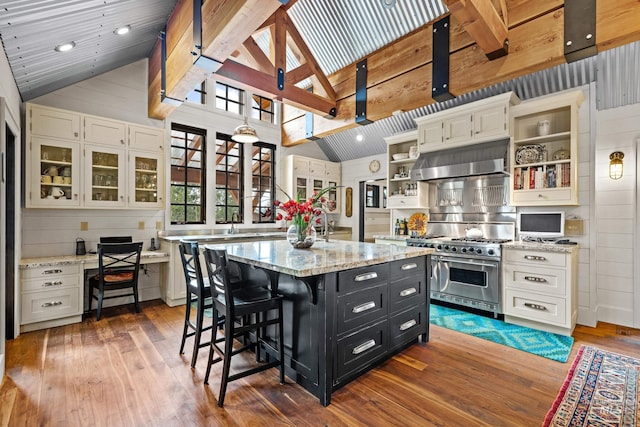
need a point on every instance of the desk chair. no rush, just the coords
(239, 300)
(198, 291)
(116, 239)
(118, 268)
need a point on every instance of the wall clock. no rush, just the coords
(374, 166)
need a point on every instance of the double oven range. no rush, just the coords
(465, 271)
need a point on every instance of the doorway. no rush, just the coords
(374, 216)
(9, 244)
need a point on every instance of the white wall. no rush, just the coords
(616, 218)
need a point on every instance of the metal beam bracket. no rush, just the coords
(440, 64)
(308, 127)
(201, 60)
(163, 74)
(280, 79)
(361, 93)
(579, 29)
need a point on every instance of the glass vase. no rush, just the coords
(301, 237)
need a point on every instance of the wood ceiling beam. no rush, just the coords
(251, 49)
(482, 21)
(268, 85)
(226, 25)
(399, 74)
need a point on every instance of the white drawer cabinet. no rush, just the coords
(540, 289)
(51, 293)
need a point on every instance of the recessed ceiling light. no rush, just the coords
(64, 47)
(359, 137)
(122, 30)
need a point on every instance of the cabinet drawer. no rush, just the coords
(407, 291)
(409, 266)
(537, 258)
(403, 202)
(54, 281)
(362, 277)
(358, 308)
(542, 196)
(50, 271)
(406, 326)
(58, 303)
(544, 280)
(542, 308)
(360, 349)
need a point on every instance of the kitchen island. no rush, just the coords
(348, 305)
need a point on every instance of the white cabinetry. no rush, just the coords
(108, 164)
(51, 293)
(402, 191)
(540, 289)
(544, 151)
(472, 123)
(303, 176)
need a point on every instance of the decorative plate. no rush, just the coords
(560, 155)
(528, 154)
(418, 223)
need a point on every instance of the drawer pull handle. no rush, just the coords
(52, 304)
(409, 266)
(534, 258)
(56, 283)
(406, 325)
(56, 271)
(535, 279)
(364, 347)
(407, 292)
(366, 276)
(535, 306)
(364, 307)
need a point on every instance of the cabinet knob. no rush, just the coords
(75, 134)
(122, 141)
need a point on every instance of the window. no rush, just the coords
(229, 98)
(263, 181)
(188, 174)
(199, 94)
(229, 188)
(373, 196)
(262, 108)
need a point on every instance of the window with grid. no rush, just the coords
(188, 174)
(199, 94)
(263, 181)
(229, 98)
(262, 108)
(229, 178)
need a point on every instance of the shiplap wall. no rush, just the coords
(618, 129)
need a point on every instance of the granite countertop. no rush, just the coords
(78, 259)
(387, 237)
(539, 246)
(322, 257)
(225, 237)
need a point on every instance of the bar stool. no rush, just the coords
(198, 292)
(238, 300)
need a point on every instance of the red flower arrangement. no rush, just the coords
(302, 213)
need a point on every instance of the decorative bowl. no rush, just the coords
(400, 156)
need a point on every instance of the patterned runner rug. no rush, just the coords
(552, 346)
(601, 389)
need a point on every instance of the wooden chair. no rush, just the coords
(118, 268)
(198, 292)
(256, 306)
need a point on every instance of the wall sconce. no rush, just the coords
(615, 164)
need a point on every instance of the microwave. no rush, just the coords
(540, 225)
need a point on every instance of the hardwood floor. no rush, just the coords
(126, 371)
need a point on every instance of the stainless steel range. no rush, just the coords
(465, 271)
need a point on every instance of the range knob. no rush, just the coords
(491, 252)
(464, 250)
(446, 247)
(454, 249)
(439, 247)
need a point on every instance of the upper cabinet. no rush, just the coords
(54, 123)
(471, 123)
(303, 176)
(83, 161)
(402, 191)
(544, 151)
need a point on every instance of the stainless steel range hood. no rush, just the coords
(478, 159)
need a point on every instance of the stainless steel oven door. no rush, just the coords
(458, 279)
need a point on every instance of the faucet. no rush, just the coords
(325, 225)
(234, 218)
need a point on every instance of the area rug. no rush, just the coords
(552, 346)
(601, 389)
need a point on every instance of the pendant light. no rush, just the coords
(245, 133)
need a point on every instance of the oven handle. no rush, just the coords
(466, 261)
